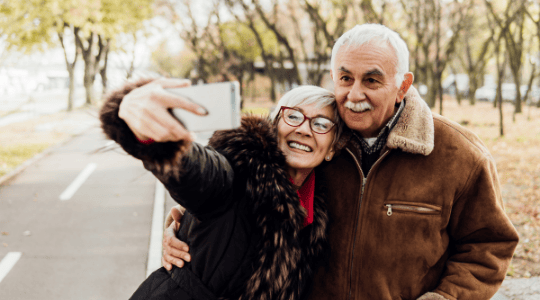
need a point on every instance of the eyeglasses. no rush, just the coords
(295, 118)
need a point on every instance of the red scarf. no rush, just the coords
(306, 193)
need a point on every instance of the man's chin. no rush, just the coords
(352, 118)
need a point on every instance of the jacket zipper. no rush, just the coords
(419, 209)
(364, 180)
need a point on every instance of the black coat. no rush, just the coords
(243, 221)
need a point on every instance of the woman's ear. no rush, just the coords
(330, 154)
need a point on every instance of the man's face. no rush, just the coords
(365, 86)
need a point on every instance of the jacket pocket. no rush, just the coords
(412, 207)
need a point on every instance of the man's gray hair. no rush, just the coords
(376, 33)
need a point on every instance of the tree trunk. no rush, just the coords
(103, 70)
(273, 95)
(89, 75)
(71, 93)
(473, 86)
(439, 88)
(517, 82)
(431, 97)
(70, 66)
(499, 100)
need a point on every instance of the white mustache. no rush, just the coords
(358, 106)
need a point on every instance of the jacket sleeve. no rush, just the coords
(483, 239)
(198, 178)
(201, 181)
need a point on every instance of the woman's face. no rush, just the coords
(304, 149)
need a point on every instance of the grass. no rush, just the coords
(256, 110)
(21, 141)
(13, 155)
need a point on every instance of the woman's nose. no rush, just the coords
(304, 129)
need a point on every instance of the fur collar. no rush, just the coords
(286, 252)
(414, 132)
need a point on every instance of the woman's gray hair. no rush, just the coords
(307, 95)
(380, 35)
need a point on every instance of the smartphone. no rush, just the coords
(221, 100)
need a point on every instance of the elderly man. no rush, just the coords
(415, 200)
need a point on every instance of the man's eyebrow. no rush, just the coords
(343, 69)
(375, 72)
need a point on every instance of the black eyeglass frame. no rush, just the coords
(282, 108)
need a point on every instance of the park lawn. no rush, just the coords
(13, 155)
(23, 140)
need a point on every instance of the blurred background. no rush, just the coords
(475, 61)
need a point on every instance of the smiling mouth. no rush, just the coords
(358, 107)
(300, 147)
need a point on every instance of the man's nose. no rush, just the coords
(357, 92)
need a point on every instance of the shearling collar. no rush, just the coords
(414, 131)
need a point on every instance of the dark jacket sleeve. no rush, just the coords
(201, 181)
(198, 178)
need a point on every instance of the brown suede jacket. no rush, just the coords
(427, 221)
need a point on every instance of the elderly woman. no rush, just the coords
(256, 218)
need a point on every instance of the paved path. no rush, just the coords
(92, 245)
(521, 289)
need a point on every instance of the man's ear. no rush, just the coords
(331, 75)
(405, 85)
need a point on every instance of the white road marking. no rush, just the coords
(8, 262)
(76, 184)
(156, 237)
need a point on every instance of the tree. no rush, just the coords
(511, 24)
(501, 67)
(437, 27)
(98, 23)
(369, 12)
(328, 21)
(37, 24)
(536, 22)
(70, 63)
(34, 26)
(177, 65)
(219, 50)
(474, 50)
(251, 13)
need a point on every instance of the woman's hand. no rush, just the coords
(145, 111)
(175, 252)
